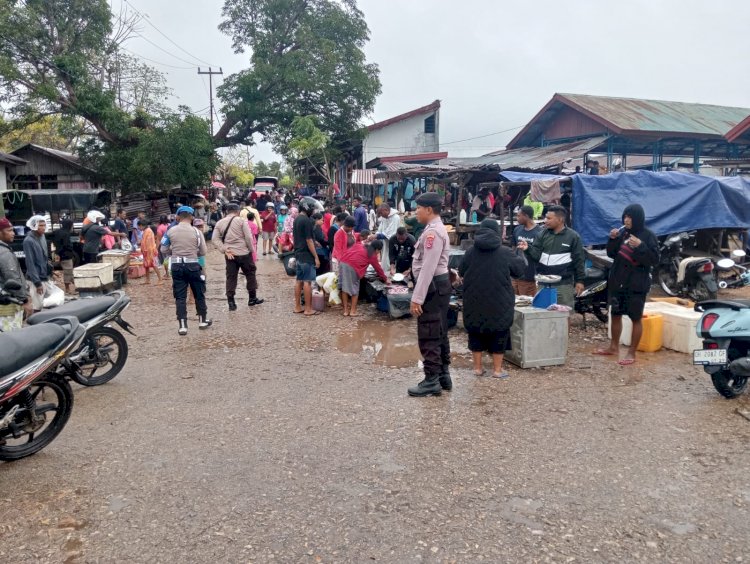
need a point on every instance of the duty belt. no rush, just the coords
(184, 260)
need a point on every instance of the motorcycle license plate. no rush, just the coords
(710, 357)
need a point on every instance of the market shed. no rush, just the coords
(629, 126)
(46, 168)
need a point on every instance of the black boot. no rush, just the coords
(445, 379)
(204, 322)
(430, 386)
(232, 304)
(183, 327)
(255, 301)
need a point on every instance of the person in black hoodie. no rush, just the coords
(635, 250)
(488, 295)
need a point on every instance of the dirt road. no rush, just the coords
(272, 437)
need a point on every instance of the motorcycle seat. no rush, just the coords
(19, 348)
(84, 310)
(594, 275)
(723, 304)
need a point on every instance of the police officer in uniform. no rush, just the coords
(431, 297)
(184, 245)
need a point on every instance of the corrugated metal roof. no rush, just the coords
(535, 158)
(69, 158)
(742, 129)
(365, 176)
(11, 159)
(387, 170)
(632, 114)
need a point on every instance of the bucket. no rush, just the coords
(545, 298)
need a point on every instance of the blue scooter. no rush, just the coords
(725, 329)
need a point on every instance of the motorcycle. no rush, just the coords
(35, 398)
(594, 298)
(104, 346)
(691, 277)
(730, 273)
(725, 329)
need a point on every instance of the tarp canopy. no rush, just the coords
(511, 176)
(673, 202)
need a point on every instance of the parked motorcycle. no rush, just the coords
(594, 298)
(35, 398)
(731, 274)
(104, 351)
(691, 277)
(725, 329)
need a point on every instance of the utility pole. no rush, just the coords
(210, 72)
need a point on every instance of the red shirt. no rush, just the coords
(327, 218)
(340, 243)
(356, 257)
(268, 220)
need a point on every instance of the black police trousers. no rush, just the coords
(432, 327)
(184, 276)
(246, 264)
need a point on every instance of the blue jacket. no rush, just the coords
(35, 249)
(360, 219)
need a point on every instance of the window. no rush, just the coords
(429, 124)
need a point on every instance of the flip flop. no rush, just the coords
(312, 314)
(502, 375)
(626, 361)
(355, 315)
(603, 352)
(478, 374)
(303, 311)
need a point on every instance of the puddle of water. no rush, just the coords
(391, 344)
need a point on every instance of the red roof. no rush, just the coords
(412, 158)
(419, 111)
(738, 130)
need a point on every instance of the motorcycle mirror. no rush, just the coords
(725, 263)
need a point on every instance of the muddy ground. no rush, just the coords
(272, 437)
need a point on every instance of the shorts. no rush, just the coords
(67, 267)
(305, 272)
(267, 235)
(495, 342)
(624, 302)
(566, 295)
(524, 287)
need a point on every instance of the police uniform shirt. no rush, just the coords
(431, 256)
(184, 241)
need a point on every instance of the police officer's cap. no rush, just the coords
(185, 210)
(429, 200)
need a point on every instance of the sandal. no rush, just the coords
(312, 314)
(603, 352)
(501, 376)
(626, 361)
(478, 374)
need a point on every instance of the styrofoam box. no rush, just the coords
(539, 337)
(679, 327)
(116, 257)
(94, 275)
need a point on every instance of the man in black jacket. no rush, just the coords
(635, 250)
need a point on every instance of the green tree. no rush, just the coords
(307, 58)
(308, 143)
(50, 131)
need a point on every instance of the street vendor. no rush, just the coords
(401, 251)
(387, 224)
(481, 205)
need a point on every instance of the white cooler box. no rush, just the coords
(679, 327)
(117, 258)
(93, 276)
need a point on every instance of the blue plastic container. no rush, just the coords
(545, 298)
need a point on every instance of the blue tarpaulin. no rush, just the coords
(673, 201)
(511, 176)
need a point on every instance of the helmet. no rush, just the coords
(310, 205)
(185, 209)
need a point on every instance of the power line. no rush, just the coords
(483, 136)
(148, 21)
(210, 72)
(156, 62)
(167, 52)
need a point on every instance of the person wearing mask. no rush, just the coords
(360, 215)
(558, 251)
(352, 268)
(305, 255)
(488, 305)
(61, 238)
(185, 245)
(401, 251)
(527, 231)
(431, 298)
(268, 232)
(635, 251)
(11, 315)
(235, 241)
(38, 269)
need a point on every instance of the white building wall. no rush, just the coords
(405, 137)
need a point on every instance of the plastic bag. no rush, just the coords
(53, 296)
(334, 297)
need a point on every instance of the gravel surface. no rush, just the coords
(273, 437)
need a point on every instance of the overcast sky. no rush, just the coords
(495, 64)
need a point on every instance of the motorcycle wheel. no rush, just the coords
(728, 385)
(106, 348)
(668, 282)
(701, 292)
(49, 394)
